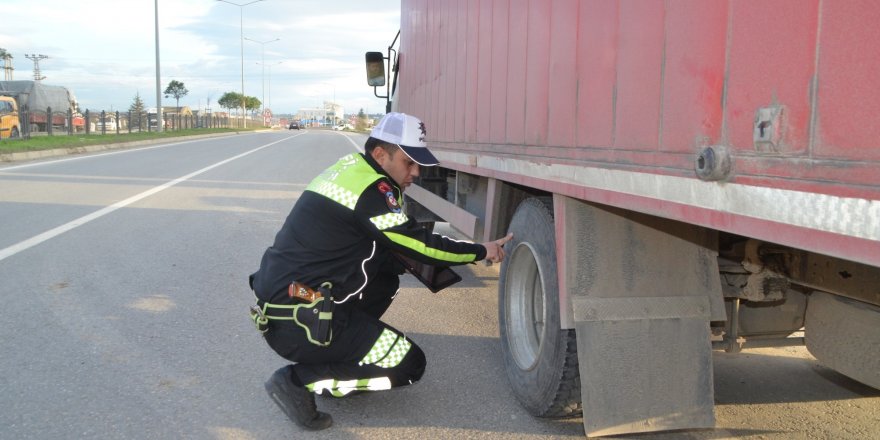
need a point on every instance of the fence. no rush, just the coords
(53, 123)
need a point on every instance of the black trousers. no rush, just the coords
(365, 354)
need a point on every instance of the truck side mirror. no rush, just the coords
(375, 69)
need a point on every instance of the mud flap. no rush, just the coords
(642, 292)
(645, 364)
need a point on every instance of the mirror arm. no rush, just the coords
(391, 74)
(388, 74)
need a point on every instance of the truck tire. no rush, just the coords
(540, 358)
(843, 335)
(14, 134)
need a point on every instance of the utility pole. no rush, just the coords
(36, 59)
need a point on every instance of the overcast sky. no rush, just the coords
(104, 50)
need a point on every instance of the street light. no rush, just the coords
(241, 27)
(158, 80)
(263, 58)
(269, 89)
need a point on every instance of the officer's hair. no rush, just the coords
(372, 143)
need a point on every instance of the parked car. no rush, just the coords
(293, 126)
(341, 127)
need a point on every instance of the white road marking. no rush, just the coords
(52, 233)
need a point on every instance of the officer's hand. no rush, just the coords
(495, 249)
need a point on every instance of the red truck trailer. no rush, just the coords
(678, 175)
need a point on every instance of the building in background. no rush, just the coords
(326, 116)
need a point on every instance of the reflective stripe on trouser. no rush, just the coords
(389, 350)
(340, 388)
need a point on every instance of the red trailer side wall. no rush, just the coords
(546, 89)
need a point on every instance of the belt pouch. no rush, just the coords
(261, 321)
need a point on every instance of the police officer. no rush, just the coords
(331, 274)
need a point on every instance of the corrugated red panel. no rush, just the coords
(472, 48)
(849, 69)
(498, 92)
(563, 71)
(484, 72)
(621, 76)
(516, 72)
(537, 72)
(772, 51)
(412, 75)
(693, 74)
(444, 74)
(596, 71)
(460, 51)
(640, 52)
(429, 112)
(424, 54)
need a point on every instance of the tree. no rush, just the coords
(230, 100)
(252, 103)
(361, 122)
(177, 90)
(136, 109)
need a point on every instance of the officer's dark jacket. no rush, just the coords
(341, 230)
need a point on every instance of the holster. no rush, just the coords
(317, 318)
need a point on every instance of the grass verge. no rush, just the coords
(81, 140)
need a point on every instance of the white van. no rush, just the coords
(151, 116)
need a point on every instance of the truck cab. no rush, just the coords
(10, 125)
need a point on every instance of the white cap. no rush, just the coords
(408, 132)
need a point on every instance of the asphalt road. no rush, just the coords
(125, 315)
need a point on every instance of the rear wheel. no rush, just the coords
(539, 357)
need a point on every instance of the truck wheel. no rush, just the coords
(540, 358)
(14, 134)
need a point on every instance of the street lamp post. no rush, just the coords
(241, 27)
(158, 80)
(263, 62)
(269, 82)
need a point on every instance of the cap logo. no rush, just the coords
(424, 133)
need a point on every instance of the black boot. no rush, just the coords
(296, 401)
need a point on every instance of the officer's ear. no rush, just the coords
(380, 155)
